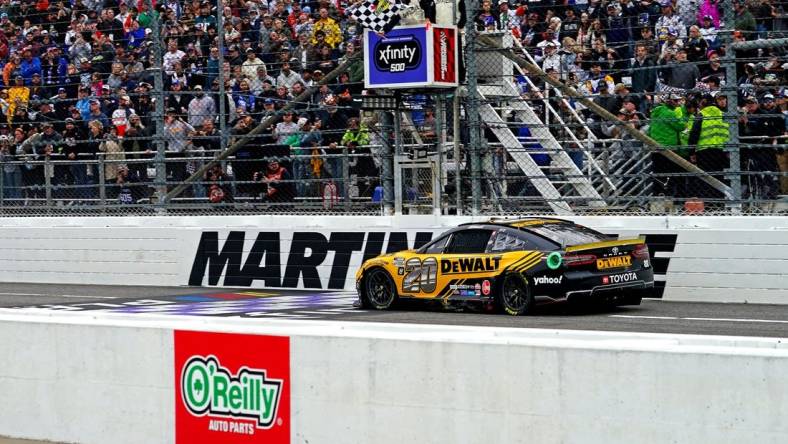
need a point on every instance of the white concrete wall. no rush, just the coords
(74, 378)
(715, 259)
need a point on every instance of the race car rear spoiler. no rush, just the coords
(603, 244)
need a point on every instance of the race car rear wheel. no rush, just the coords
(379, 290)
(515, 297)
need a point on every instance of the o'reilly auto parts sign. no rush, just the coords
(225, 394)
(411, 57)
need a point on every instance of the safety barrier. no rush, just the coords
(72, 378)
(714, 259)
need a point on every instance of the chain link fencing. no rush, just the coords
(573, 122)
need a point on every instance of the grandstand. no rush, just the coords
(580, 107)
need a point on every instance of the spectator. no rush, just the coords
(710, 11)
(177, 100)
(257, 84)
(219, 189)
(285, 128)
(665, 128)
(113, 157)
(550, 58)
(277, 183)
(760, 160)
(18, 97)
(619, 33)
(681, 74)
(177, 134)
(172, 56)
(355, 133)
(669, 20)
(29, 66)
(714, 68)
(288, 77)
(644, 74)
(12, 172)
(743, 19)
(623, 95)
(126, 187)
(326, 30)
(201, 108)
(709, 31)
(696, 45)
(707, 140)
(252, 64)
(507, 18)
(120, 117)
(95, 113)
(138, 146)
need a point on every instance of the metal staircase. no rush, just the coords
(561, 184)
(564, 183)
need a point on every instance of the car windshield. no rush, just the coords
(568, 234)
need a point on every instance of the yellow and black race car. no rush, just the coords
(512, 265)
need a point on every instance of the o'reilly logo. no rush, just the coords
(397, 54)
(541, 280)
(207, 388)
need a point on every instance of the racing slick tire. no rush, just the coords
(380, 292)
(514, 296)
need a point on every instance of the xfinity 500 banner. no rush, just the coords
(411, 56)
(231, 388)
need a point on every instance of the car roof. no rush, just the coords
(520, 222)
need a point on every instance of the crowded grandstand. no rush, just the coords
(118, 103)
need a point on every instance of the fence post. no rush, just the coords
(457, 155)
(472, 107)
(387, 165)
(440, 139)
(222, 102)
(397, 158)
(102, 180)
(346, 176)
(158, 83)
(731, 114)
(47, 181)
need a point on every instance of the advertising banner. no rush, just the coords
(445, 55)
(231, 388)
(413, 56)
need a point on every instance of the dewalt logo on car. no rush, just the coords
(470, 265)
(613, 262)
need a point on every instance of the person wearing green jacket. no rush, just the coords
(666, 128)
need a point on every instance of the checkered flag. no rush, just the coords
(377, 15)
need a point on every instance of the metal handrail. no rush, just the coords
(590, 135)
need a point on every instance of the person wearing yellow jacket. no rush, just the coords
(329, 28)
(707, 140)
(18, 96)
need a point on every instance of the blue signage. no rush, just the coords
(401, 58)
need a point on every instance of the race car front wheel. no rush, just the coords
(379, 290)
(515, 297)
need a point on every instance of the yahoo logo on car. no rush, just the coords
(397, 54)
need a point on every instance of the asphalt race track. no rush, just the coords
(653, 316)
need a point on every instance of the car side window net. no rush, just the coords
(468, 241)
